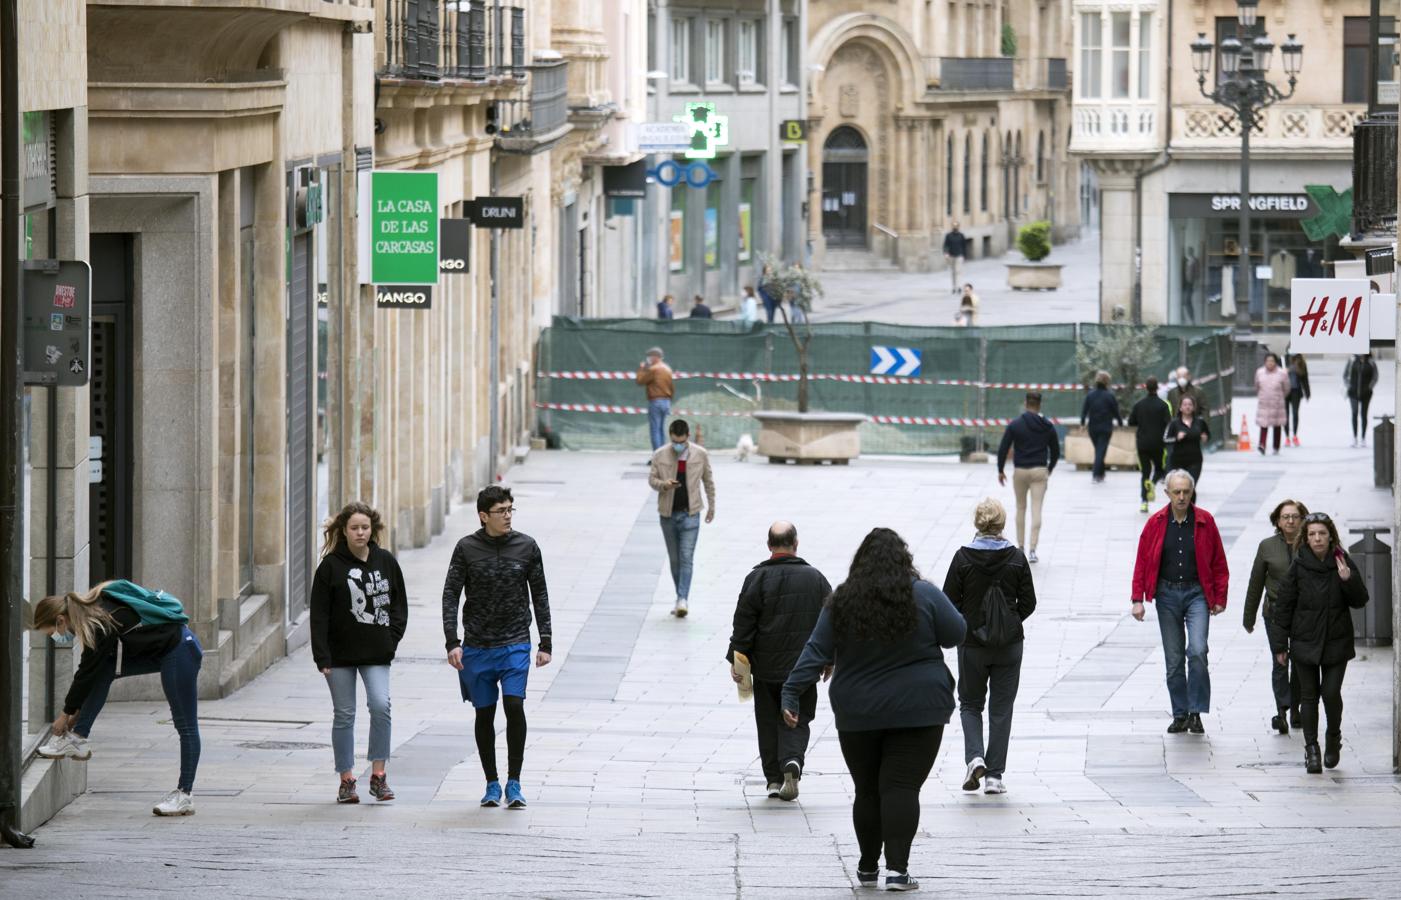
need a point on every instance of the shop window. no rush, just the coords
(1355, 42)
(744, 246)
(1091, 51)
(680, 51)
(714, 51)
(712, 225)
(676, 229)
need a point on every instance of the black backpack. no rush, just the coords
(1001, 624)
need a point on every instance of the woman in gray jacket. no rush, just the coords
(1272, 561)
(892, 694)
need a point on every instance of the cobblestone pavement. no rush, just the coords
(641, 766)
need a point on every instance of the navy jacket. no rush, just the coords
(880, 684)
(1034, 442)
(1101, 409)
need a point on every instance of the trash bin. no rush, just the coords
(1384, 452)
(1372, 623)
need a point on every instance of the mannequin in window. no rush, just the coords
(1191, 270)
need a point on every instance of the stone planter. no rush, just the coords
(1033, 276)
(1122, 453)
(811, 437)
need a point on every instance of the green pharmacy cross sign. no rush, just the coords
(708, 130)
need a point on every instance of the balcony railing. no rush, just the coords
(471, 40)
(958, 73)
(1054, 74)
(1374, 176)
(1118, 126)
(1286, 126)
(534, 125)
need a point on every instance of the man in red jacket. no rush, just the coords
(1182, 564)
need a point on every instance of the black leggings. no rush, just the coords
(1291, 414)
(515, 737)
(888, 768)
(1150, 469)
(1359, 405)
(1325, 682)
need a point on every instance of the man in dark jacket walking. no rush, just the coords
(1035, 450)
(955, 249)
(1100, 414)
(1150, 416)
(778, 608)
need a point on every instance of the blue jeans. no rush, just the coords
(1184, 622)
(1100, 439)
(179, 671)
(342, 684)
(680, 531)
(657, 411)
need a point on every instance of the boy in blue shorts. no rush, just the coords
(499, 575)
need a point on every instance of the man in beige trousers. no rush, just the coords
(1035, 450)
(680, 469)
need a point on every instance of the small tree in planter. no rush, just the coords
(798, 286)
(1127, 352)
(1034, 242)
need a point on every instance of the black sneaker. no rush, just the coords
(1194, 724)
(1280, 723)
(347, 794)
(868, 879)
(1178, 726)
(899, 881)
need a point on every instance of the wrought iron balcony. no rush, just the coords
(545, 118)
(463, 40)
(993, 73)
(1374, 176)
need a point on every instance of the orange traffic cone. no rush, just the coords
(1244, 443)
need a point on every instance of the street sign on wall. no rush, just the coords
(403, 227)
(57, 298)
(904, 362)
(662, 137)
(1330, 315)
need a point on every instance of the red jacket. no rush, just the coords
(1211, 557)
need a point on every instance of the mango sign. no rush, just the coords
(1330, 315)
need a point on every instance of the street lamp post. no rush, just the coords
(1245, 91)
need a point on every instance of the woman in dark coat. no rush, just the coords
(1314, 607)
(1186, 434)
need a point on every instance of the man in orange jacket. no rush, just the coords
(1182, 564)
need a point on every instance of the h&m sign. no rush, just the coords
(1330, 315)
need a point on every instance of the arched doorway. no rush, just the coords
(844, 158)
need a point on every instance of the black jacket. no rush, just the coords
(972, 572)
(778, 608)
(359, 610)
(1101, 410)
(137, 647)
(1150, 416)
(1360, 376)
(1035, 441)
(955, 244)
(498, 579)
(1315, 607)
(1185, 442)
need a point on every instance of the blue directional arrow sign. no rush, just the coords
(900, 361)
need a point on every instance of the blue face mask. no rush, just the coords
(679, 448)
(62, 640)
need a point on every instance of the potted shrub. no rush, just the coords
(803, 435)
(1034, 242)
(1128, 353)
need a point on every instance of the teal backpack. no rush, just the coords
(154, 607)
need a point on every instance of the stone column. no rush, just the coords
(270, 364)
(1116, 182)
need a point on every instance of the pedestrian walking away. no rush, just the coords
(989, 582)
(1035, 448)
(767, 293)
(1314, 608)
(955, 250)
(1298, 392)
(1359, 379)
(679, 472)
(892, 694)
(1271, 399)
(1181, 564)
(666, 307)
(1099, 415)
(359, 612)
(499, 575)
(968, 304)
(748, 307)
(125, 629)
(656, 376)
(1185, 437)
(778, 608)
(1149, 418)
(1184, 386)
(1272, 561)
(698, 308)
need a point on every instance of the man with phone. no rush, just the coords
(679, 471)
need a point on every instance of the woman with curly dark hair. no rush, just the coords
(892, 694)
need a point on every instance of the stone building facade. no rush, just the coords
(927, 114)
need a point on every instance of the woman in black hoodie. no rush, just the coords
(991, 654)
(1314, 608)
(359, 610)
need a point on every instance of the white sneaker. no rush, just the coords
(994, 785)
(1031, 557)
(976, 769)
(68, 744)
(176, 803)
(680, 610)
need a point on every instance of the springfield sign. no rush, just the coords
(402, 236)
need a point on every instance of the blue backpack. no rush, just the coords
(154, 607)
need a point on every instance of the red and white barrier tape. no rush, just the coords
(578, 375)
(610, 409)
